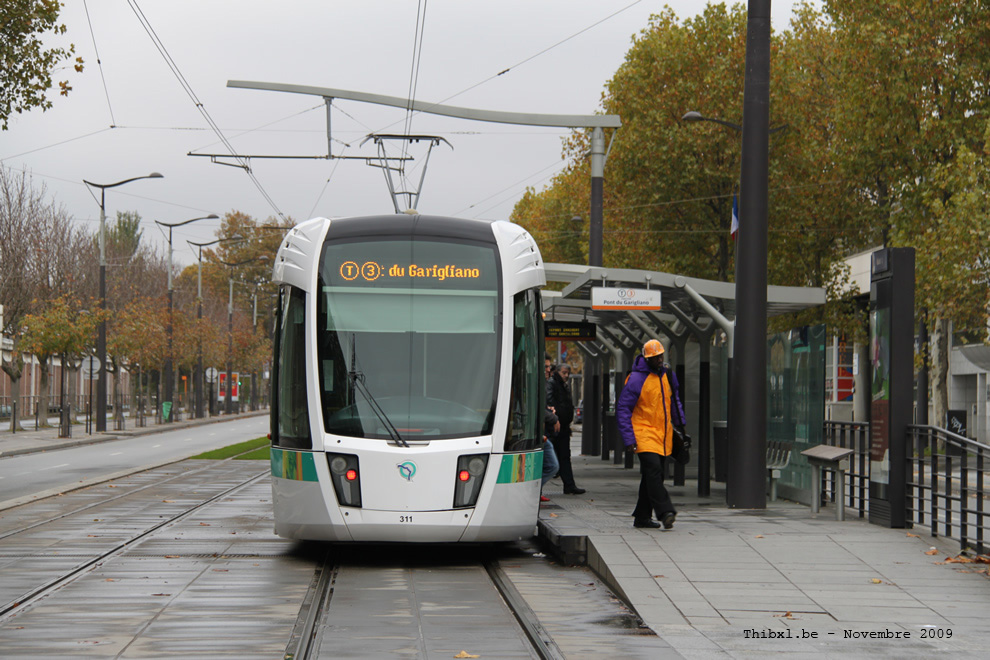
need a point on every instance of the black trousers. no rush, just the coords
(653, 496)
(562, 447)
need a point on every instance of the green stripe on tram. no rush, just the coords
(295, 465)
(516, 468)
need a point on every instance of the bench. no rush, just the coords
(778, 457)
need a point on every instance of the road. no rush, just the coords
(29, 476)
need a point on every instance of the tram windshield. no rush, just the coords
(407, 339)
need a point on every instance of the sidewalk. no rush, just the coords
(30, 441)
(746, 583)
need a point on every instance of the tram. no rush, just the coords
(407, 387)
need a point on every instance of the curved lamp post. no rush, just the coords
(169, 368)
(101, 336)
(744, 423)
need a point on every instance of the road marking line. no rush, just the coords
(52, 467)
(117, 453)
(155, 446)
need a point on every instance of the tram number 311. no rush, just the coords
(405, 519)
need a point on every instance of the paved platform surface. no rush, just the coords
(746, 583)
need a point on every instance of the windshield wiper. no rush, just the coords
(358, 380)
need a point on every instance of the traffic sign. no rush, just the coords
(90, 367)
(211, 375)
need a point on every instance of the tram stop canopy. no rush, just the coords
(687, 304)
(690, 309)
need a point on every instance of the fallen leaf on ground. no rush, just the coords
(933, 551)
(959, 559)
(876, 581)
(785, 615)
(553, 515)
(758, 536)
(465, 654)
(110, 486)
(914, 536)
(171, 556)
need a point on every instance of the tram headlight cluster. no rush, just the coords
(470, 473)
(346, 478)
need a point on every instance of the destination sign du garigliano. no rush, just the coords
(371, 271)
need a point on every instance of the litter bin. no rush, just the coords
(720, 436)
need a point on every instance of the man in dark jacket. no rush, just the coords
(559, 398)
(648, 410)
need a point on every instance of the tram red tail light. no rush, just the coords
(345, 474)
(470, 474)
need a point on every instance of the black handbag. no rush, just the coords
(682, 447)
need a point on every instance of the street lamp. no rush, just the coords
(169, 369)
(743, 424)
(747, 405)
(101, 335)
(692, 115)
(198, 380)
(227, 398)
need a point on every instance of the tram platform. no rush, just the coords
(729, 582)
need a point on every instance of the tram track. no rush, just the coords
(108, 500)
(14, 606)
(317, 612)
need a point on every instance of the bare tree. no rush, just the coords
(40, 254)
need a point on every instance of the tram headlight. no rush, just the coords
(468, 478)
(346, 477)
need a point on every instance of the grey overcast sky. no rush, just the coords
(129, 114)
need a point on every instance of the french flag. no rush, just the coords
(734, 229)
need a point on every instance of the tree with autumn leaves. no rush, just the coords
(61, 329)
(885, 143)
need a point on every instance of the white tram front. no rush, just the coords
(407, 391)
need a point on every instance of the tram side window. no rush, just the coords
(527, 396)
(292, 413)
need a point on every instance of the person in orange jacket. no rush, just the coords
(648, 410)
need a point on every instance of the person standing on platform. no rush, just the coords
(648, 410)
(559, 398)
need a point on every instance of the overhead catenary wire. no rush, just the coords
(99, 65)
(417, 58)
(149, 29)
(57, 144)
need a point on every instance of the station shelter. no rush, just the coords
(693, 318)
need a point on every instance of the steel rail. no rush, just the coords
(25, 600)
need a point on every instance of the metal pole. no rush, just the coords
(169, 373)
(922, 414)
(227, 398)
(747, 418)
(198, 385)
(597, 187)
(101, 335)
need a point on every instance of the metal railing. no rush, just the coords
(855, 436)
(947, 485)
(946, 480)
